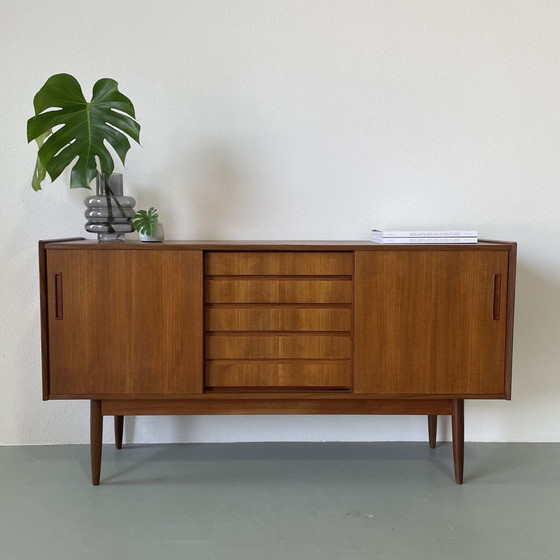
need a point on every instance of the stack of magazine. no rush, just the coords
(425, 237)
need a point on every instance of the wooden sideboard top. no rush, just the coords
(275, 245)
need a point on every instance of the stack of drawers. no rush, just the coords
(278, 321)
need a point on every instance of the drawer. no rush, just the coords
(278, 375)
(278, 290)
(292, 346)
(285, 318)
(253, 263)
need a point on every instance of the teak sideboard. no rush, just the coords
(196, 327)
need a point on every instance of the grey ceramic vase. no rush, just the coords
(109, 213)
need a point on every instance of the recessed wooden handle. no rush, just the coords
(58, 295)
(497, 296)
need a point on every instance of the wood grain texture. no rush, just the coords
(276, 375)
(251, 393)
(96, 439)
(278, 318)
(458, 434)
(43, 300)
(119, 430)
(251, 263)
(432, 430)
(291, 328)
(272, 246)
(272, 405)
(279, 345)
(510, 313)
(132, 322)
(278, 290)
(424, 322)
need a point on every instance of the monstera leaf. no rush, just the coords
(66, 127)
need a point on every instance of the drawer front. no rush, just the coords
(249, 375)
(279, 263)
(280, 318)
(291, 290)
(297, 346)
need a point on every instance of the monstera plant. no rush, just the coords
(66, 127)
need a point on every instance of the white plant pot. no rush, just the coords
(157, 236)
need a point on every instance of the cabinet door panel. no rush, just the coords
(431, 322)
(124, 322)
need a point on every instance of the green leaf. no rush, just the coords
(145, 221)
(72, 128)
(39, 172)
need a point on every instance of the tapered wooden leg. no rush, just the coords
(119, 427)
(96, 439)
(432, 430)
(458, 424)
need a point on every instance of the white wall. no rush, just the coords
(307, 119)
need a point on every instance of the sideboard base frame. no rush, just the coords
(430, 407)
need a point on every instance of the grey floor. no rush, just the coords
(343, 501)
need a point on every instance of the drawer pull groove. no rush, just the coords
(58, 296)
(497, 297)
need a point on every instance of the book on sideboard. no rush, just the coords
(426, 233)
(424, 237)
(426, 240)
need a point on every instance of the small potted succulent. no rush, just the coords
(146, 223)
